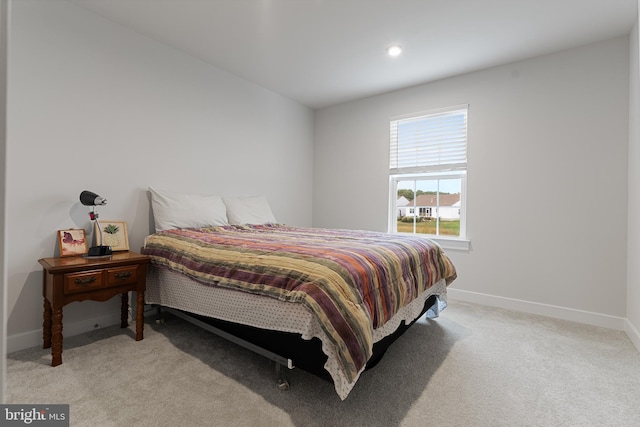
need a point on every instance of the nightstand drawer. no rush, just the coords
(81, 282)
(122, 275)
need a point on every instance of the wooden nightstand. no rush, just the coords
(99, 279)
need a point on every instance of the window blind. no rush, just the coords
(429, 142)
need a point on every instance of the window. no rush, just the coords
(428, 171)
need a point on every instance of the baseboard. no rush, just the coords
(633, 333)
(558, 312)
(34, 338)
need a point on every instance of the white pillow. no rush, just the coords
(248, 210)
(176, 210)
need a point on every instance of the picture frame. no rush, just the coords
(114, 234)
(72, 242)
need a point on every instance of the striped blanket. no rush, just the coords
(352, 281)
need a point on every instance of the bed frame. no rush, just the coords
(286, 349)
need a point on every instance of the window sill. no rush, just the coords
(453, 244)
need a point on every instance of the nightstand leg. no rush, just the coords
(46, 325)
(124, 310)
(56, 341)
(139, 315)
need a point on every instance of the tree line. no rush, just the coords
(408, 194)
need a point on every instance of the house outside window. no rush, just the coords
(427, 175)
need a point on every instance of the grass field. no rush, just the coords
(449, 228)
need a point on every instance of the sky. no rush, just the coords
(446, 185)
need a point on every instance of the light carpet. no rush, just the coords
(473, 366)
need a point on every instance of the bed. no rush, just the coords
(329, 300)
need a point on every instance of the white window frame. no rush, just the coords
(432, 173)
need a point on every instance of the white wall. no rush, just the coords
(545, 133)
(95, 106)
(633, 234)
(4, 46)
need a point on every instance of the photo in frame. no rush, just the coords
(112, 233)
(72, 242)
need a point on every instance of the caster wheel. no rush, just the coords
(283, 385)
(159, 321)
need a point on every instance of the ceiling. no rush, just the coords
(325, 52)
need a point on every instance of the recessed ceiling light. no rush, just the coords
(394, 50)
